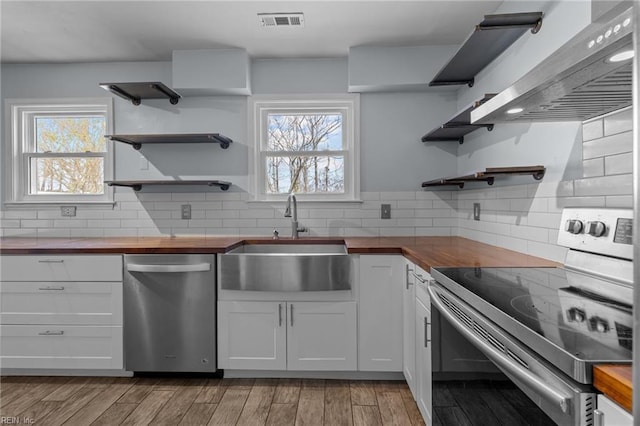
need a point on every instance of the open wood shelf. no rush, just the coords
(457, 127)
(488, 40)
(137, 185)
(138, 140)
(135, 92)
(488, 175)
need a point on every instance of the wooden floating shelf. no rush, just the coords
(457, 127)
(135, 92)
(137, 185)
(488, 175)
(488, 40)
(136, 141)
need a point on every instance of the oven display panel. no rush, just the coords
(624, 230)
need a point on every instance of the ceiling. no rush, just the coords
(100, 31)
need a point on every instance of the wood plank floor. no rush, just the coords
(84, 401)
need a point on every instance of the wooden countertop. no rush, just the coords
(427, 252)
(614, 380)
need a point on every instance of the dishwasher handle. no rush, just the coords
(196, 267)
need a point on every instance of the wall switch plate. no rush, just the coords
(476, 211)
(69, 211)
(185, 210)
(385, 211)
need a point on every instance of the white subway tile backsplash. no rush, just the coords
(592, 130)
(188, 196)
(618, 164)
(618, 122)
(21, 214)
(593, 167)
(609, 145)
(36, 223)
(620, 201)
(606, 185)
(70, 223)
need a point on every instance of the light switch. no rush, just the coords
(385, 211)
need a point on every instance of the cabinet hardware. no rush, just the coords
(51, 261)
(407, 270)
(51, 287)
(51, 333)
(291, 309)
(419, 278)
(279, 314)
(426, 332)
(598, 418)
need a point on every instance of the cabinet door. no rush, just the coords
(321, 336)
(252, 335)
(611, 413)
(380, 326)
(424, 389)
(409, 327)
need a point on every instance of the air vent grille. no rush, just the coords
(281, 20)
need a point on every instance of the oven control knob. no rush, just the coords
(576, 315)
(573, 226)
(597, 229)
(598, 324)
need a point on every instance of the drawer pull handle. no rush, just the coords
(196, 267)
(50, 287)
(51, 333)
(419, 278)
(51, 261)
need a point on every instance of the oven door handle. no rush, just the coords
(543, 389)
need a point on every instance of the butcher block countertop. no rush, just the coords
(427, 252)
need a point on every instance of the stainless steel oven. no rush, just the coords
(546, 327)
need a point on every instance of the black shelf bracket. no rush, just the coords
(488, 175)
(137, 91)
(136, 141)
(488, 40)
(137, 185)
(457, 127)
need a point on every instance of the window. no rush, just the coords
(58, 151)
(306, 146)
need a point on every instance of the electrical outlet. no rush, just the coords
(69, 211)
(385, 211)
(186, 211)
(476, 211)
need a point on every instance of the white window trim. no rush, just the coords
(350, 102)
(16, 182)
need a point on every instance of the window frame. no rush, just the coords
(21, 115)
(346, 104)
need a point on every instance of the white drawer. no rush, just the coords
(80, 303)
(70, 347)
(61, 268)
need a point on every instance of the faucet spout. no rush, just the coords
(291, 210)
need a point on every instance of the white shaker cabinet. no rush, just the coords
(423, 347)
(252, 335)
(380, 313)
(287, 335)
(609, 413)
(61, 312)
(409, 326)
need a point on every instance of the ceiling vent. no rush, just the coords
(281, 20)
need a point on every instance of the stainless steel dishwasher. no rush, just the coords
(170, 313)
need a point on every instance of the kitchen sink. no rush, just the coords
(286, 267)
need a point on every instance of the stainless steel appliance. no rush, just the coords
(546, 327)
(170, 313)
(582, 79)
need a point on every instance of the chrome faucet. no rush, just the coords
(295, 229)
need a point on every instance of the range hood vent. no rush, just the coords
(575, 83)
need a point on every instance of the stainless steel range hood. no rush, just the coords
(575, 83)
